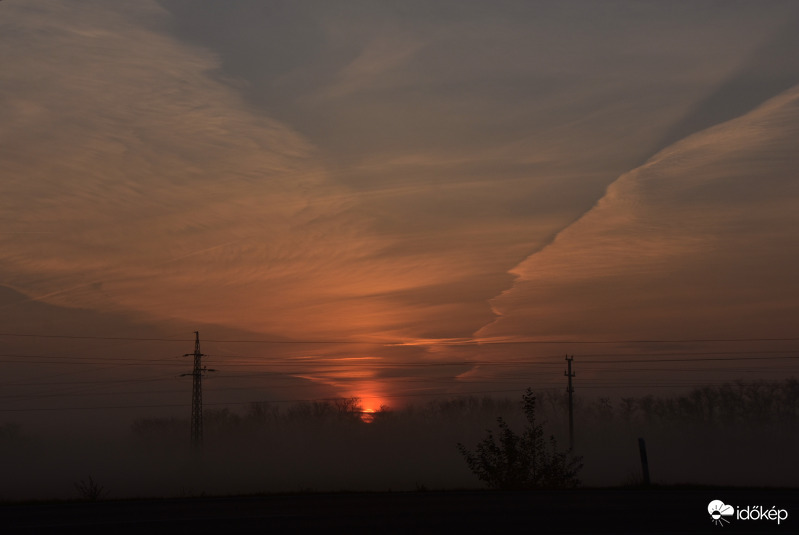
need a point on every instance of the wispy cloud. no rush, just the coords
(368, 173)
(377, 66)
(149, 186)
(696, 242)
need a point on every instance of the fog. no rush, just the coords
(737, 434)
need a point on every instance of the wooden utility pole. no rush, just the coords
(570, 389)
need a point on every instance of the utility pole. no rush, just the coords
(196, 393)
(570, 389)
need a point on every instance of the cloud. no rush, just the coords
(138, 182)
(373, 67)
(349, 172)
(138, 171)
(695, 243)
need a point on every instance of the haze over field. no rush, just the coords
(395, 201)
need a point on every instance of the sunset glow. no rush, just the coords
(397, 204)
(310, 253)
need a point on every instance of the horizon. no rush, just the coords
(396, 203)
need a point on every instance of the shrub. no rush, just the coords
(90, 490)
(522, 461)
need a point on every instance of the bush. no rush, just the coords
(522, 461)
(90, 490)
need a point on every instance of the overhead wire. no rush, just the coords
(322, 365)
(297, 400)
(406, 343)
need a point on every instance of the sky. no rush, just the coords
(415, 198)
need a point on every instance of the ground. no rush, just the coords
(654, 510)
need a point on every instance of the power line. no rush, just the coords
(693, 359)
(97, 359)
(538, 359)
(664, 341)
(685, 353)
(166, 405)
(593, 383)
(387, 396)
(76, 337)
(157, 339)
(476, 342)
(104, 381)
(322, 365)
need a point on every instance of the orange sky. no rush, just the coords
(618, 171)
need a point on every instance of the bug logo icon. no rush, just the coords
(718, 510)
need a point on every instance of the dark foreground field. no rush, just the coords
(579, 511)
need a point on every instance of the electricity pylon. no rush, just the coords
(197, 393)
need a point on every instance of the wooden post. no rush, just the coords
(570, 389)
(644, 461)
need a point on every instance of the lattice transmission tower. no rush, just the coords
(197, 392)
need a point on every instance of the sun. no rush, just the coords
(371, 406)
